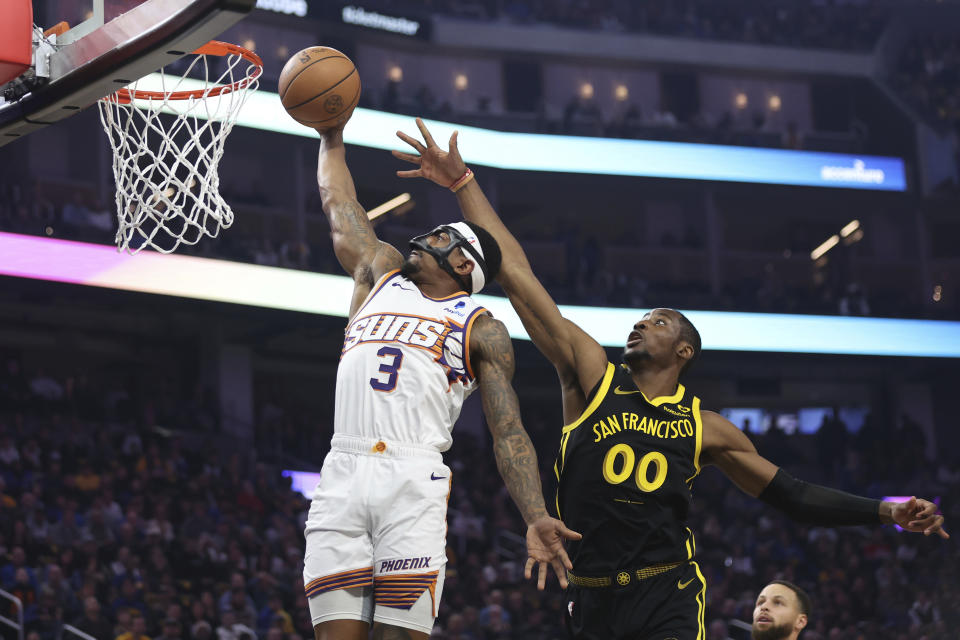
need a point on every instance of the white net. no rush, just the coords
(167, 147)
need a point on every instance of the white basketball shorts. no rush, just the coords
(378, 519)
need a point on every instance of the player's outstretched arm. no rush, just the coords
(355, 243)
(491, 353)
(725, 446)
(574, 353)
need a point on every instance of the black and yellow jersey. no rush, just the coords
(624, 474)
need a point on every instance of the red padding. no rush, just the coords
(15, 37)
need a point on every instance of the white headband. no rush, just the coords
(478, 278)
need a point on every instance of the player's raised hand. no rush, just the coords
(919, 515)
(436, 165)
(545, 538)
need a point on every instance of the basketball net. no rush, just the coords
(167, 145)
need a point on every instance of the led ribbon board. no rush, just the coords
(318, 293)
(605, 156)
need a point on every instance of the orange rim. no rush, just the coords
(212, 48)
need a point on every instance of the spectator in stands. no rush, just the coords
(171, 630)
(201, 630)
(138, 629)
(92, 622)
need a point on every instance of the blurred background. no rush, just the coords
(147, 442)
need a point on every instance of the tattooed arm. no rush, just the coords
(491, 353)
(358, 250)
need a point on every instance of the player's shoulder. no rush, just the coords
(719, 433)
(489, 339)
(486, 327)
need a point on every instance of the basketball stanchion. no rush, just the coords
(167, 145)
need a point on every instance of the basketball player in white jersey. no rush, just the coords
(416, 345)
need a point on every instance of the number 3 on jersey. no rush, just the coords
(654, 458)
(394, 358)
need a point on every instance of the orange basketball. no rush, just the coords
(319, 87)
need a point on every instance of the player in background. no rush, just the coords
(415, 347)
(634, 440)
(781, 613)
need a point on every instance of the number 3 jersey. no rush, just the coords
(624, 475)
(405, 369)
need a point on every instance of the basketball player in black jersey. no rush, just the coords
(634, 440)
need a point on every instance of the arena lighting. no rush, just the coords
(850, 232)
(621, 92)
(303, 482)
(275, 288)
(586, 91)
(828, 244)
(388, 206)
(601, 156)
(460, 81)
(740, 100)
(849, 228)
(394, 73)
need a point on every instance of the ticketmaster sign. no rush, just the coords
(373, 20)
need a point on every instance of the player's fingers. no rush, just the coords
(412, 173)
(569, 534)
(528, 569)
(932, 525)
(561, 573)
(925, 521)
(425, 133)
(542, 577)
(925, 508)
(413, 142)
(454, 150)
(407, 157)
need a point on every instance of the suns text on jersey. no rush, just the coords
(627, 421)
(424, 333)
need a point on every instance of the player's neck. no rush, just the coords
(654, 382)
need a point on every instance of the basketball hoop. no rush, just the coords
(166, 167)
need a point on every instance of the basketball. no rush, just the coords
(319, 87)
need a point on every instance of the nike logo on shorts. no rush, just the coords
(621, 392)
(434, 476)
(684, 585)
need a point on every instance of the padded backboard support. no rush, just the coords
(16, 29)
(138, 42)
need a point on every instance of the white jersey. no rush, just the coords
(405, 371)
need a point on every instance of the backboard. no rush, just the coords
(110, 44)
